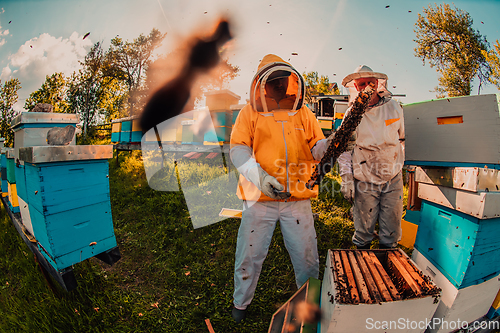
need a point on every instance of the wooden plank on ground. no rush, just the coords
(383, 274)
(340, 278)
(189, 154)
(407, 282)
(360, 281)
(384, 292)
(209, 326)
(350, 278)
(211, 155)
(196, 156)
(370, 282)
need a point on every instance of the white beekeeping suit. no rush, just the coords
(371, 171)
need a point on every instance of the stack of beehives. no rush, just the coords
(458, 182)
(126, 130)
(63, 190)
(220, 103)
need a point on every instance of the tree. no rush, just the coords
(92, 91)
(446, 39)
(52, 91)
(8, 97)
(130, 60)
(493, 59)
(316, 84)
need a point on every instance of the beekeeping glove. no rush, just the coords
(271, 187)
(243, 159)
(347, 188)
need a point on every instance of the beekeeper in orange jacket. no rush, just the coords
(371, 169)
(275, 142)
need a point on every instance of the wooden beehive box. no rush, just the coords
(464, 248)
(116, 127)
(67, 190)
(13, 201)
(472, 179)
(3, 166)
(31, 128)
(457, 305)
(374, 288)
(220, 99)
(459, 130)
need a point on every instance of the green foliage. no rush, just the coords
(129, 62)
(316, 84)
(92, 91)
(52, 91)
(493, 59)
(446, 39)
(8, 97)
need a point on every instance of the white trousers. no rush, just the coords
(254, 237)
(378, 202)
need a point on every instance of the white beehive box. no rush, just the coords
(403, 315)
(31, 128)
(457, 305)
(467, 179)
(483, 205)
(461, 129)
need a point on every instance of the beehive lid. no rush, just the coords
(124, 119)
(44, 154)
(42, 117)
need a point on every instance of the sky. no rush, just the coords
(332, 37)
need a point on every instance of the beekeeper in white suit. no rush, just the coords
(371, 170)
(275, 142)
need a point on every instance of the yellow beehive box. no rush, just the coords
(13, 195)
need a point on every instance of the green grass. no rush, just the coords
(171, 277)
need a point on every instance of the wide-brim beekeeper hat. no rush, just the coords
(364, 71)
(361, 72)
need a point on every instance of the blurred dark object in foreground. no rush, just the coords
(169, 100)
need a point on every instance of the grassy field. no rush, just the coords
(171, 277)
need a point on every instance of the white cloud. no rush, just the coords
(6, 71)
(2, 41)
(45, 55)
(6, 32)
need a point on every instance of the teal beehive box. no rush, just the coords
(67, 192)
(463, 247)
(126, 131)
(3, 166)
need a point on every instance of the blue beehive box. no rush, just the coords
(218, 134)
(67, 192)
(464, 248)
(126, 130)
(3, 166)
